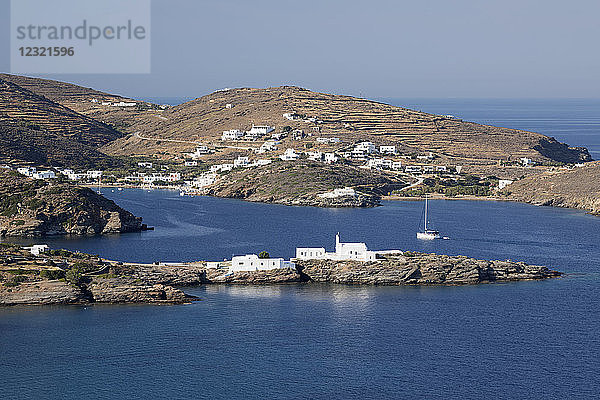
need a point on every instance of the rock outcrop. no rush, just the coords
(63, 277)
(99, 290)
(128, 290)
(300, 183)
(39, 208)
(177, 275)
(42, 292)
(421, 269)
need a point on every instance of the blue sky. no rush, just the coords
(376, 48)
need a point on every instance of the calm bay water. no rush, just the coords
(515, 340)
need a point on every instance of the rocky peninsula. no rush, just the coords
(409, 268)
(63, 277)
(31, 208)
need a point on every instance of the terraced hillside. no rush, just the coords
(79, 99)
(576, 188)
(352, 119)
(36, 130)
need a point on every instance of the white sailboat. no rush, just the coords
(426, 233)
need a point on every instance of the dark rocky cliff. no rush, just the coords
(38, 208)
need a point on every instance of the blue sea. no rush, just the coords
(534, 340)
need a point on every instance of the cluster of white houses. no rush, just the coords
(201, 150)
(115, 104)
(339, 192)
(255, 133)
(149, 179)
(240, 162)
(343, 252)
(32, 172)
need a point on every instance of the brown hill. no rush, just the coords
(300, 182)
(576, 188)
(79, 99)
(36, 130)
(352, 119)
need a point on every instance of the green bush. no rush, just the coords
(15, 281)
(73, 276)
(263, 254)
(52, 274)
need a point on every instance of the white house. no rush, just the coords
(441, 168)
(328, 140)
(251, 262)
(37, 249)
(315, 155)
(172, 177)
(145, 164)
(203, 180)
(412, 168)
(93, 174)
(343, 252)
(191, 163)
(375, 163)
(397, 165)
(330, 158)
(232, 134)
(526, 162)
(263, 162)
(226, 167)
(260, 130)
(365, 147)
(241, 162)
(123, 104)
(44, 175)
(339, 192)
(199, 152)
(269, 145)
(292, 116)
(428, 156)
(289, 155)
(502, 183)
(27, 171)
(358, 154)
(228, 105)
(387, 149)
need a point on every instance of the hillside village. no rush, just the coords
(196, 171)
(285, 144)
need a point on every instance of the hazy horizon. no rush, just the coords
(464, 49)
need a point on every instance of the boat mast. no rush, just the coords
(425, 212)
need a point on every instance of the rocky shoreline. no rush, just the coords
(111, 291)
(407, 269)
(33, 208)
(62, 277)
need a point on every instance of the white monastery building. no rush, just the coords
(343, 252)
(251, 262)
